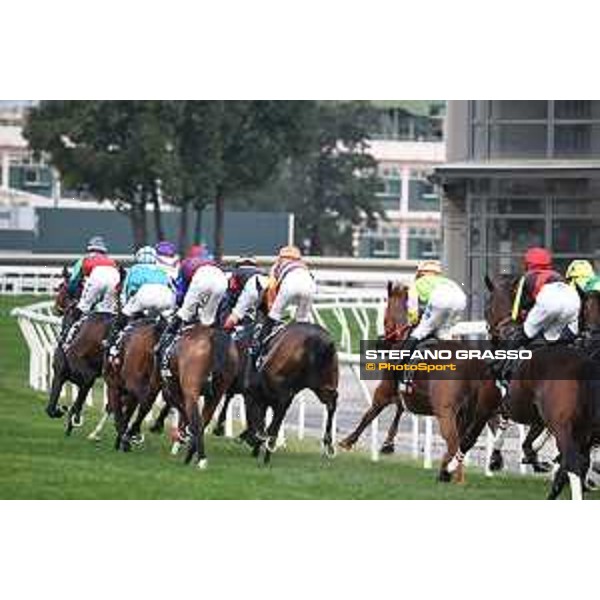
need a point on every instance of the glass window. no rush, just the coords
(509, 140)
(581, 139)
(508, 263)
(576, 206)
(422, 196)
(519, 109)
(513, 236)
(577, 109)
(423, 243)
(576, 236)
(476, 235)
(479, 142)
(506, 206)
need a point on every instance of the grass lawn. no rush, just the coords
(38, 461)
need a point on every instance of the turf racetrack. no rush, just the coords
(38, 461)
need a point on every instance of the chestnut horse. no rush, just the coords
(204, 362)
(557, 387)
(132, 378)
(462, 405)
(80, 362)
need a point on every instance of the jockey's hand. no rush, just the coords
(230, 323)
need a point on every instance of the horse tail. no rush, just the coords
(321, 352)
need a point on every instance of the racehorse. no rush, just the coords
(555, 388)
(132, 378)
(80, 361)
(204, 361)
(463, 405)
(301, 356)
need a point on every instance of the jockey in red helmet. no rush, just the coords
(544, 303)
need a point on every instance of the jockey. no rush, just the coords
(99, 276)
(167, 259)
(578, 273)
(146, 289)
(289, 282)
(200, 286)
(544, 303)
(244, 274)
(435, 303)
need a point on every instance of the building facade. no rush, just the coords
(407, 147)
(518, 174)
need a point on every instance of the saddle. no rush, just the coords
(113, 351)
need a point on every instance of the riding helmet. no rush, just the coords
(430, 266)
(97, 244)
(165, 248)
(146, 255)
(537, 258)
(580, 270)
(290, 252)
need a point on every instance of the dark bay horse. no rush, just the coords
(301, 356)
(204, 362)
(557, 387)
(80, 362)
(132, 378)
(462, 405)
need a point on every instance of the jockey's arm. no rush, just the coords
(76, 277)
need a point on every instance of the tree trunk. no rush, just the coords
(315, 241)
(198, 224)
(183, 228)
(137, 215)
(158, 226)
(219, 225)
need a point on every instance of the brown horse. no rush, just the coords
(204, 362)
(556, 387)
(462, 405)
(301, 356)
(80, 360)
(132, 378)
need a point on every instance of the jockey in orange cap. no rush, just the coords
(289, 282)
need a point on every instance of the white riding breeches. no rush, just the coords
(100, 291)
(151, 297)
(556, 307)
(207, 288)
(297, 288)
(445, 308)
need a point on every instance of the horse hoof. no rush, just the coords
(175, 448)
(387, 449)
(496, 461)
(345, 445)
(541, 466)
(94, 437)
(138, 440)
(55, 413)
(77, 420)
(126, 446)
(202, 464)
(444, 476)
(219, 431)
(328, 451)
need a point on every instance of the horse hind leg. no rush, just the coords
(74, 414)
(329, 398)
(388, 446)
(219, 429)
(58, 381)
(273, 429)
(159, 424)
(533, 443)
(571, 467)
(453, 458)
(384, 395)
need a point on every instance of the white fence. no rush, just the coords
(352, 318)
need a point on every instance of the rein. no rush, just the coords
(397, 332)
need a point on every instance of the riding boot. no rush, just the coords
(263, 337)
(506, 366)
(119, 323)
(168, 334)
(409, 344)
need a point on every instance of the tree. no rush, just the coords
(114, 150)
(332, 187)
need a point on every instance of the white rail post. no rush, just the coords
(301, 416)
(428, 451)
(489, 446)
(522, 467)
(415, 435)
(374, 440)
(242, 411)
(229, 420)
